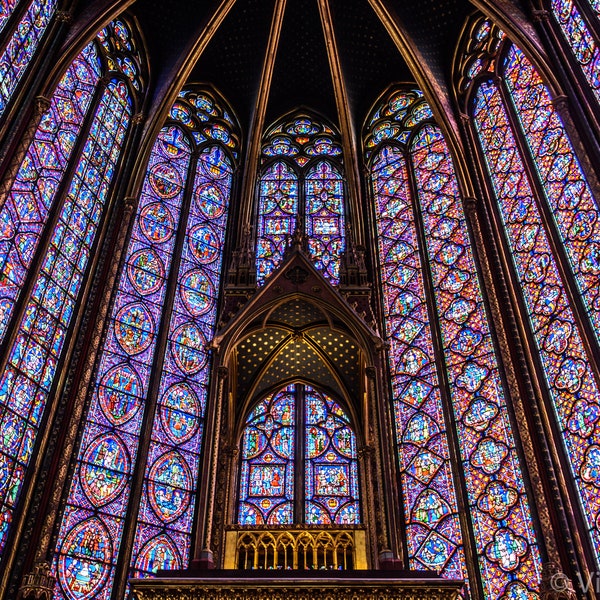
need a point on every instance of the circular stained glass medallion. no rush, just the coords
(197, 292)
(204, 244)
(84, 566)
(180, 412)
(104, 469)
(210, 200)
(119, 393)
(146, 271)
(156, 222)
(170, 480)
(134, 328)
(188, 348)
(165, 179)
(160, 553)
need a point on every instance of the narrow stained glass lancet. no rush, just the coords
(196, 140)
(301, 183)
(500, 519)
(549, 222)
(581, 40)
(22, 45)
(26, 383)
(570, 381)
(167, 504)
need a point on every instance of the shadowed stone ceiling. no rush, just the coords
(233, 59)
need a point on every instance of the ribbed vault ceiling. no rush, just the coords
(235, 52)
(297, 340)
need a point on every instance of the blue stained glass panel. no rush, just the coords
(566, 367)
(34, 355)
(122, 382)
(22, 45)
(325, 218)
(267, 473)
(167, 504)
(331, 466)
(278, 209)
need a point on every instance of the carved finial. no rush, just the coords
(555, 584)
(39, 584)
(242, 271)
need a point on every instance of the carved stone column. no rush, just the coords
(40, 106)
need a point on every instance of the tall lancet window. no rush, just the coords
(301, 182)
(551, 227)
(573, 21)
(298, 441)
(447, 388)
(67, 172)
(146, 413)
(22, 26)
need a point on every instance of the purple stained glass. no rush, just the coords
(431, 510)
(566, 367)
(325, 218)
(34, 355)
(34, 191)
(124, 376)
(278, 209)
(314, 178)
(267, 472)
(22, 45)
(573, 207)
(508, 554)
(167, 504)
(581, 40)
(331, 466)
(7, 8)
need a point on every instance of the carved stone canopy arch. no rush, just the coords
(296, 328)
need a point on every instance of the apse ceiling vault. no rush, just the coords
(272, 56)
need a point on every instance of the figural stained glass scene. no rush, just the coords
(299, 299)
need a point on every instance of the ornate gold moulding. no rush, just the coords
(297, 585)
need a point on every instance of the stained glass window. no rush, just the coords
(445, 302)
(550, 224)
(580, 39)
(22, 44)
(173, 259)
(41, 331)
(301, 182)
(328, 467)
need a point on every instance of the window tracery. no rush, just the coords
(154, 365)
(301, 183)
(549, 219)
(420, 221)
(295, 418)
(87, 120)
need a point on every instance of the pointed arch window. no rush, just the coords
(67, 172)
(154, 365)
(447, 389)
(299, 461)
(301, 182)
(574, 23)
(30, 26)
(549, 221)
